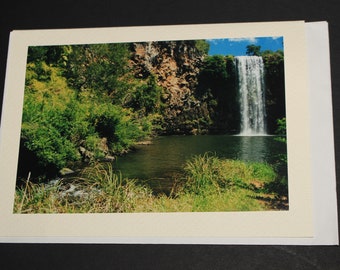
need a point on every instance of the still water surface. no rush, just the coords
(166, 156)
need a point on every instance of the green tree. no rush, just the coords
(98, 67)
(214, 69)
(253, 50)
(202, 46)
(51, 55)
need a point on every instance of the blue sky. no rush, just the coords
(238, 46)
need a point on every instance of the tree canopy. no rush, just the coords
(253, 50)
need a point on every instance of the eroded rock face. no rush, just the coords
(176, 65)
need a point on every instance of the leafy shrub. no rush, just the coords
(281, 126)
(46, 129)
(57, 119)
(118, 125)
(52, 149)
(93, 144)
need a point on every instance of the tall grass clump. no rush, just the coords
(36, 198)
(208, 172)
(98, 189)
(115, 193)
(204, 171)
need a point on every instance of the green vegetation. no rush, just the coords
(282, 137)
(208, 172)
(216, 87)
(209, 184)
(253, 50)
(202, 46)
(275, 87)
(102, 191)
(83, 96)
(281, 129)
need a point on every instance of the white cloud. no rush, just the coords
(252, 40)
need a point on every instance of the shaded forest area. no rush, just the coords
(90, 102)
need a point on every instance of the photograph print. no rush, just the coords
(160, 126)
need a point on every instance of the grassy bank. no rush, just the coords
(209, 184)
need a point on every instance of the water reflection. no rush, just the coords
(167, 155)
(253, 148)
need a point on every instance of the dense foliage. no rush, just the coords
(275, 87)
(82, 96)
(217, 87)
(202, 46)
(253, 50)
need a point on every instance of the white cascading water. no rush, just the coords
(250, 70)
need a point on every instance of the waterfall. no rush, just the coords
(251, 88)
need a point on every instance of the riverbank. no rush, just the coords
(209, 184)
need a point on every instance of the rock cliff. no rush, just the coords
(176, 65)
